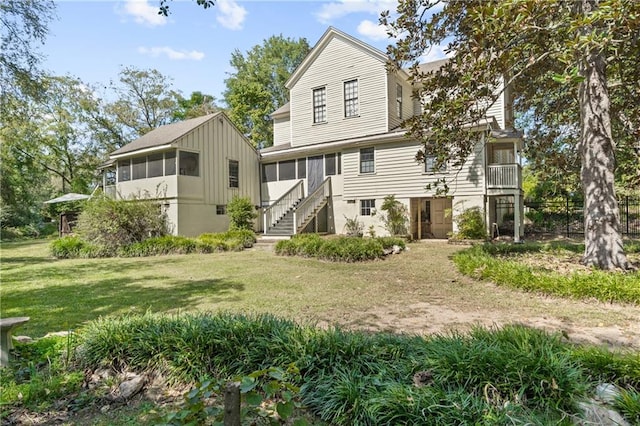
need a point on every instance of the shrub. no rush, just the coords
(471, 225)
(396, 218)
(340, 249)
(112, 224)
(511, 375)
(241, 213)
(168, 244)
(353, 227)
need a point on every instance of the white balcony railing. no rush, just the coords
(504, 176)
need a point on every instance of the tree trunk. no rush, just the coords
(602, 237)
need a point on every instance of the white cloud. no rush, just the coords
(143, 12)
(338, 9)
(230, 14)
(174, 55)
(434, 53)
(372, 30)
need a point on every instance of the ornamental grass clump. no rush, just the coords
(338, 249)
(493, 376)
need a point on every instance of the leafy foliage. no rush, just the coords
(353, 227)
(256, 88)
(112, 224)
(241, 213)
(471, 225)
(396, 217)
(514, 374)
(481, 261)
(340, 249)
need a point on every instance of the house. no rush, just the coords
(194, 168)
(339, 149)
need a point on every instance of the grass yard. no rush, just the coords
(419, 291)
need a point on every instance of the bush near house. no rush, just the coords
(241, 213)
(396, 216)
(74, 247)
(471, 225)
(338, 249)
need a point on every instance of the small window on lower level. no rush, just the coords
(221, 209)
(367, 207)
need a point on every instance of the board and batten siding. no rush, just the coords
(397, 173)
(218, 141)
(338, 62)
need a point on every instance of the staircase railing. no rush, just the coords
(309, 205)
(277, 210)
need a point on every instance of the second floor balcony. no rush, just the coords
(504, 176)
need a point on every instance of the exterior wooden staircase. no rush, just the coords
(292, 212)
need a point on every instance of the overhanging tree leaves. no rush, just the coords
(571, 64)
(256, 88)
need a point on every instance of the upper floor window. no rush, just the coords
(170, 163)
(139, 168)
(287, 170)
(367, 160)
(189, 163)
(320, 105)
(430, 162)
(270, 172)
(124, 170)
(302, 168)
(154, 165)
(351, 98)
(399, 100)
(234, 174)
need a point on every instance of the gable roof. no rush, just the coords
(330, 34)
(163, 135)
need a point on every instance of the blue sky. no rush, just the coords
(93, 40)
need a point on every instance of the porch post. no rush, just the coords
(516, 217)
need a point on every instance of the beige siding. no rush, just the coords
(340, 61)
(407, 102)
(397, 173)
(281, 131)
(218, 141)
(497, 110)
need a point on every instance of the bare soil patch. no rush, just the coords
(441, 300)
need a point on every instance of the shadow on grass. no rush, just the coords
(56, 308)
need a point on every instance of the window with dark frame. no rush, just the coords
(399, 100)
(221, 209)
(339, 163)
(367, 160)
(351, 98)
(287, 170)
(234, 174)
(139, 168)
(270, 172)
(302, 168)
(189, 163)
(124, 170)
(366, 207)
(320, 105)
(154, 165)
(170, 163)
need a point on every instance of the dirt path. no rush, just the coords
(435, 304)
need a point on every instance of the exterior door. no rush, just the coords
(315, 173)
(441, 222)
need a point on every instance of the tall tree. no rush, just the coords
(573, 65)
(197, 105)
(256, 88)
(145, 101)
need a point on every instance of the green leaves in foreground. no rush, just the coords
(481, 262)
(495, 376)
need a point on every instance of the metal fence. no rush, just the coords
(566, 217)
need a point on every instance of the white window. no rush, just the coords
(320, 105)
(430, 164)
(234, 174)
(351, 98)
(367, 160)
(367, 207)
(399, 100)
